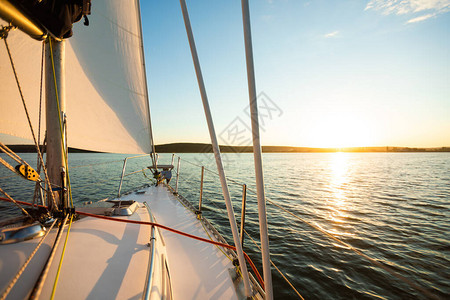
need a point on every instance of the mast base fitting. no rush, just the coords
(70, 210)
(58, 214)
(61, 214)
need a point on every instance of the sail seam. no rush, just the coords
(117, 24)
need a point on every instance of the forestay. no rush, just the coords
(107, 103)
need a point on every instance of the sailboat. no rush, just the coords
(147, 243)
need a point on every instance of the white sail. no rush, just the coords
(107, 104)
(26, 53)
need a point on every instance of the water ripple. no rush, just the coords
(394, 207)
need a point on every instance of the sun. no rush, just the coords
(340, 131)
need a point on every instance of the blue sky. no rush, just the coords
(331, 73)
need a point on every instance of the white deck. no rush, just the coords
(109, 260)
(198, 270)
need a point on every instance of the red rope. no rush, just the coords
(162, 227)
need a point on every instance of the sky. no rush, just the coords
(344, 73)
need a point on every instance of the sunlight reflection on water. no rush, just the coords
(394, 207)
(339, 203)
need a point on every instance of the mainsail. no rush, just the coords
(107, 104)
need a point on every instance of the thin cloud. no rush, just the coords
(420, 18)
(332, 34)
(401, 7)
(267, 18)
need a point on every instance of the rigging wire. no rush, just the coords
(207, 233)
(221, 250)
(379, 264)
(29, 121)
(16, 203)
(96, 164)
(8, 166)
(66, 163)
(94, 183)
(202, 221)
(61, 259)
(22, 269)
(37, 190)
(275, 266)
(12, 155)
(40, 282)
(409, 282)
(204, 228)
(210, 171)
(111, 179)
(150, 179)
(38, 187)
(38, 287)
(131, 173)
(412, 284)
(254, 242)
(180, 233)
(191, 208)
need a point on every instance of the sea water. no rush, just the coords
(392, 207)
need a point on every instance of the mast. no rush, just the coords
(55, 112)
(257, 151)
(55, 97)
(215, 146)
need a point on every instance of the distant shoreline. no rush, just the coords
(201, 148)
(206, 148)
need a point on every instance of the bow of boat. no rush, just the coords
(110, 260)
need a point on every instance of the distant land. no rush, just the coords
(206, 148)
(32, 149)
(200, 148)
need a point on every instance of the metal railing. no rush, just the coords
(149, 278)
(210, 227)
(188, 204)
(123, 172)
(178, 174)
(198, 210)
(244, 198)
(318, 229)
(119, 180)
